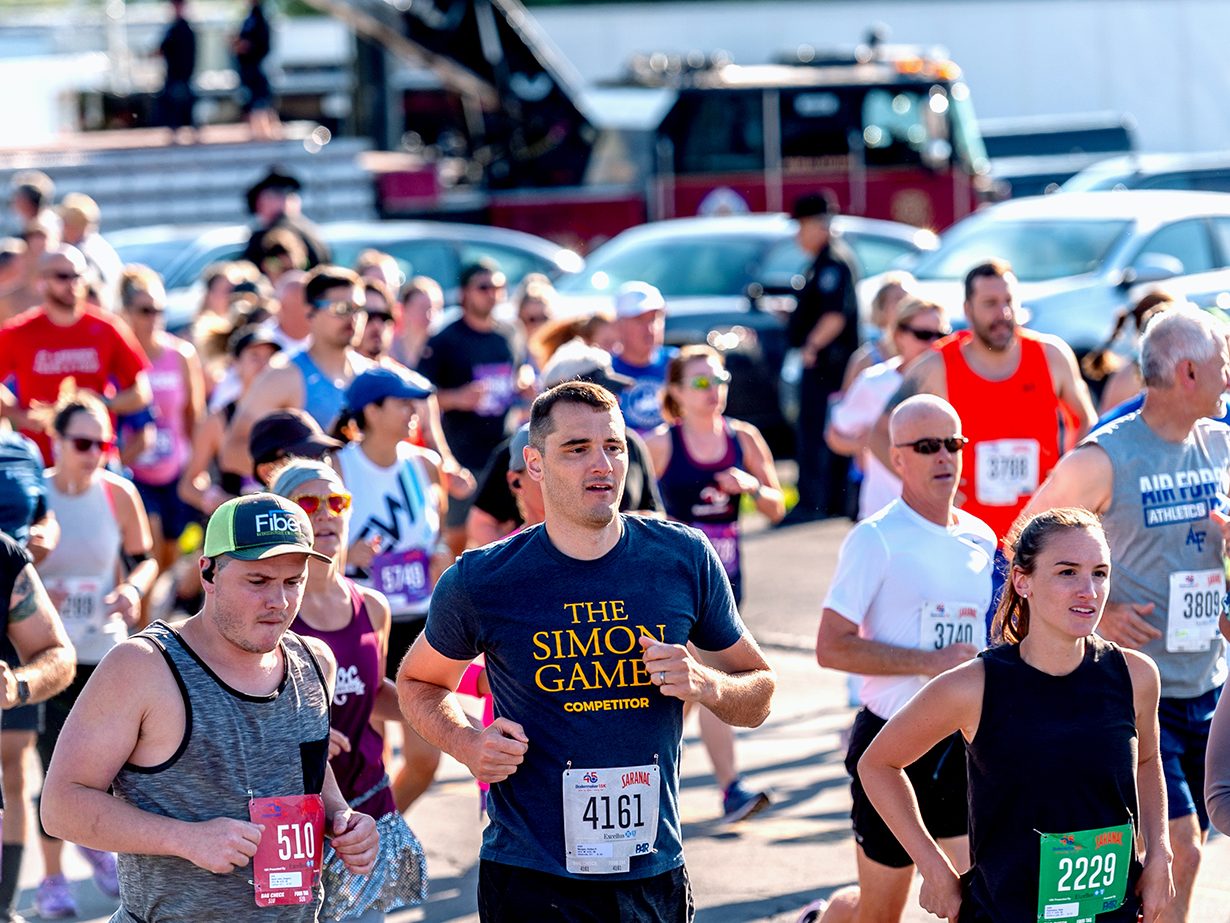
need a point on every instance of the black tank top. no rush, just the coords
(1053, 754)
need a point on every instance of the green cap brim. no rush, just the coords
(275, 551)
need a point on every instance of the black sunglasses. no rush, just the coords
(65, 276)
(927, 336)
(931, 445)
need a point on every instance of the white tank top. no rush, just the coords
(397, 503)
(84, 566)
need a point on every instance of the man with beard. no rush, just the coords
(313, 379)
(67, 338)
(1019, 396)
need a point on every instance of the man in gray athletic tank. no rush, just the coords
(214, 736)
(1160, 479)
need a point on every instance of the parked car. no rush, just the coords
(1208, 172)
(430, 248)
(1079, 256)
(730, 281)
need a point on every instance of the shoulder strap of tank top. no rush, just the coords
(735, 445)
(292, 641)
(1033, 360)
(156, 634)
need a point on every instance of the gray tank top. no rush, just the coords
(1159, 530)
(233, 743)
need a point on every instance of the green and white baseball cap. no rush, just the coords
(259, 526)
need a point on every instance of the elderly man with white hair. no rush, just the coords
(1160, 480)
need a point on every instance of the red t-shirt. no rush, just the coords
(36, 355)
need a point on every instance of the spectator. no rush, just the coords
(178, 49)
(274, 202)
(251, 47)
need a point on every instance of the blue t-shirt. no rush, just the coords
(1133, 404)
(642, 403)
(560, 639)
(23, 496)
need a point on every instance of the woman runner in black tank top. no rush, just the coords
(1062, 752)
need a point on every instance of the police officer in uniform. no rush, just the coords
(824, 328)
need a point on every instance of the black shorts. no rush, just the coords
(508, 894)
(56, 711)
(939, 784)
(401, 636)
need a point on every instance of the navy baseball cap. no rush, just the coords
(378, 383)
(257, 527)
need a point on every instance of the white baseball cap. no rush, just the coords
(636, 298)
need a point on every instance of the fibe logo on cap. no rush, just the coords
(275, 521)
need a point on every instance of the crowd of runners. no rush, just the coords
(334, 506)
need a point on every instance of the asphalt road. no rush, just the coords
(765, 868)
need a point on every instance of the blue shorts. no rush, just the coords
(162, 501)
(1184, 738)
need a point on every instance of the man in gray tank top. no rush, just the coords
(213, 736)
(1160, 479)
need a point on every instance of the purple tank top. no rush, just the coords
(359, 677)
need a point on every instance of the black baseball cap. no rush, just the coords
(813, 205)
(250, 335)
(288, 432)
(276, 178)
(257, 527)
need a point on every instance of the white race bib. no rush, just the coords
(1005, 470)
(610, 816)
(1196, 598)
(80, 603)
(945, 624)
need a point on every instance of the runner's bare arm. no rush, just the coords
(770, 501)
(196, 487)
(1217, 766)
(1157, 886)
(274, 389)
(131, 711)
(1070, 387)
(137, 541)
(1084, 478)
(926, 377)
(950, 702)
(425, 687)
(136, 397)
(47, 656)
(839, 647)
(736, 683)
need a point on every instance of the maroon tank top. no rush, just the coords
(359, 677)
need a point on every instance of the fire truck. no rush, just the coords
(888, 131)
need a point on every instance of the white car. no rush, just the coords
(1080, 257)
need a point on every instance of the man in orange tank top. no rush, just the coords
(1019, 395)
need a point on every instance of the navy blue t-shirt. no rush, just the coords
(560, 639)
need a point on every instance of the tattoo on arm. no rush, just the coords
(28, 595)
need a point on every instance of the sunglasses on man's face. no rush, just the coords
(337, 308)
(705, 382)
(85, 444)
(148, 311)
(336, 503)
(383, 317)
(926, 336)
(64, 276)
(932, 445)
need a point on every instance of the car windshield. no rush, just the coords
(158, 255)
(1037, 250)
(680, 268)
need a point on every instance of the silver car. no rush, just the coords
(429, 248)
(1080, 257)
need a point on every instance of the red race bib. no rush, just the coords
(286, 866)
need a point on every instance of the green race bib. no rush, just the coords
(1083, 874)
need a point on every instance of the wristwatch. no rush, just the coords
(23, 692)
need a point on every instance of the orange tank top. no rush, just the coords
(1013, 426)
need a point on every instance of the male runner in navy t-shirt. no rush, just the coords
(580, 619)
